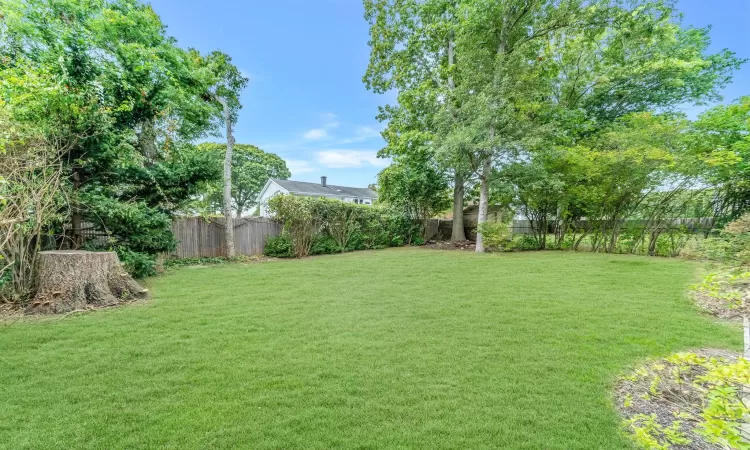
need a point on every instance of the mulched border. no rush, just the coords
(662, 407)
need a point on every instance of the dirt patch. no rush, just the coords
(673, 399)
(10, 311)
(448, 245)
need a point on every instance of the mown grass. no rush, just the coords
(402, 348)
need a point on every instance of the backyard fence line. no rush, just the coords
(199, 237)
(204, 238)
(442, 228)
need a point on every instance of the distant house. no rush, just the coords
(362, 196)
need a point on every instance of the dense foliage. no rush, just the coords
(416, 185)
(120, 103)
(538, 95)
(251, 169)
(319, 225)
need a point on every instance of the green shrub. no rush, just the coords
(138, 265)
(279, 247)
(731, 245)
(318, 226)
(325, 245)
(524, 243)
(301, 218)
(496, 235)
(703, 391)
(184, 262)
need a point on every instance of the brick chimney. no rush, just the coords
(323, 181)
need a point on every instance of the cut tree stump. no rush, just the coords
(71, 280)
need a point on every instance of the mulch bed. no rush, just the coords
(448, 245)
(671, 400)
(717, 307)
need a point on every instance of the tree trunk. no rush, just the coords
(229, 223)
(484, 200)
(746, 334)
(70, 280)
(76, 218)
(458, 234)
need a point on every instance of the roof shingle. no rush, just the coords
(302, 187)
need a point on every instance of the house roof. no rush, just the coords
(302, 187)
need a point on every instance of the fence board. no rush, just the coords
(204, 238)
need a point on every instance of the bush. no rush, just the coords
(731, 246)
(301, 219)
(279, 247)
(318, 226)
(138, 265)
(185, 262)
(526, 242)
(325, 245)
(496, 235)
(695, 395)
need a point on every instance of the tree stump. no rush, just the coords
(70, 280)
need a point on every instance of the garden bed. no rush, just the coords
(687, 401)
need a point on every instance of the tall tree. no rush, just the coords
(228, 85)
(497, 78)
(413, 52)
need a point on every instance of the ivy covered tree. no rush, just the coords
(251, 169)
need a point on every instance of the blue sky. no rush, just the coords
(305, 59)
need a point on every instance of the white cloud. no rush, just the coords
(297, 166)
(338, 158)
(315, 133)
(330, 120)
(362, 133)
(367, 131)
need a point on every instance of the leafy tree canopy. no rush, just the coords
(251, 169)
(127, 103)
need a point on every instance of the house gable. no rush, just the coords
(269, 190)
(362, 196)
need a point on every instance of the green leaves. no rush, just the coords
(309, 221)
(251, 169)
(703, 390)
(416, 185)
(122, 102)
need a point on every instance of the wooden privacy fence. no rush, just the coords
(204, 238)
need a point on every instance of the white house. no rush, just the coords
(362, 196)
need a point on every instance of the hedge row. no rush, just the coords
(314, 226)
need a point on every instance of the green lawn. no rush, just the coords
(401, 348)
